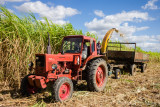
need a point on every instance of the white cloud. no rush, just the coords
(121, 22)
(56, 14)
(61, 22)
(146, 42)
(99, 13)
(150, 46)
(144, 39)
(158, 38)
(150, 5)
(142, 28)
(4, 1)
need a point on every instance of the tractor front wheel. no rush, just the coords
(97, 75)
(62, 89)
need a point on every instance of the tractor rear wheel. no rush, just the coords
(62, 89)
(97, 75)
(25, 88)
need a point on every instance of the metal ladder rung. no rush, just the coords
(79, 75)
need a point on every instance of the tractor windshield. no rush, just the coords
(72, 45)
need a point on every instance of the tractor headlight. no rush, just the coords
(54, 66)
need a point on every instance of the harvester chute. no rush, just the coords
(107, 38)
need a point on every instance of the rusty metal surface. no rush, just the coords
(140, 57)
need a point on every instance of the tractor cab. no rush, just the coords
(79, 44)
(71, 45)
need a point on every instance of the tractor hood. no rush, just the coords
(49, 59)
(59, 57)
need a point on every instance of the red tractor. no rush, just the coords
(77, 60)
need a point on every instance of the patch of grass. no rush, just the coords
(124, 72)
(150, 103)
(127, 80)
(108, 88)
(39, 104)
(157, 86)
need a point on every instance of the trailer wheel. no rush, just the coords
(25, 88)
(117, 74)
(132, 69)
(97, 75)
(143, 68)
(62, 89)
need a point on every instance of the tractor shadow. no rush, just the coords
(14, 94)
(48, 99)
(81, 86)
(41, 97)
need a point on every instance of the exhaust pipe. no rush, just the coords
(49, 46)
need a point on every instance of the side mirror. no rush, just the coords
(30, 66)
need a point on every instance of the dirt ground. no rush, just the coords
(142, 89)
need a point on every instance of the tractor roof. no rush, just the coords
(84, 37)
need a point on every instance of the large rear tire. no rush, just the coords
(97, 75)
(62, 89)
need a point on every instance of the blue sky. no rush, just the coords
(138, 20)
